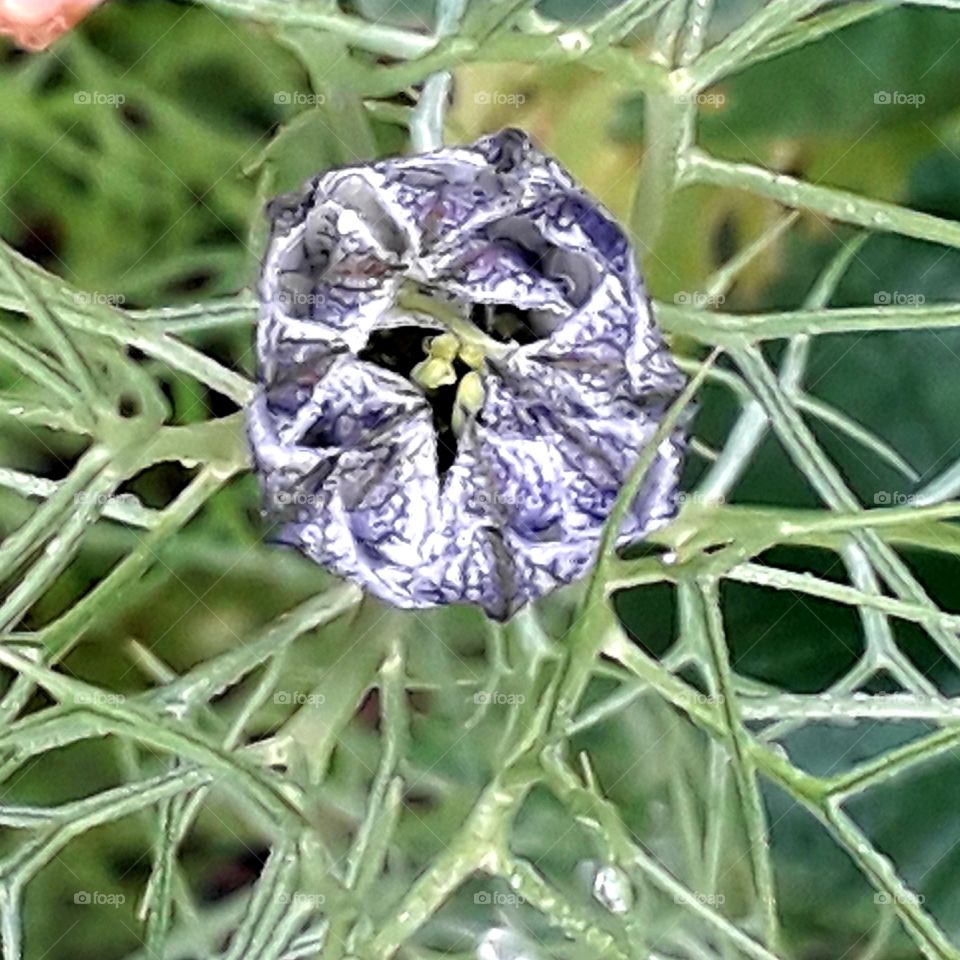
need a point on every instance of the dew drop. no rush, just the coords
(178, 708)
(574, 41)
(612, 889)
(500, 944)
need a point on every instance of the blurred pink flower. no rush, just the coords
(35, 24)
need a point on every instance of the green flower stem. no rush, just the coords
(569, 917)
(59, 550)
(829, 484)
(621, 65)
(426, 121)
(670, 126)
(841, 205)
(240, 309)
(19, 546)
(816, 28)
(727, 57)
(64, 633)
(701, 613)
(595, 616)
(670, 118)
(751, 427)
(75, 309)
(375, 37)
(709, 327)
(38, 367)
(599, 815)
(469, 851)
(921, 927)
(657, 678)
(363, 860)
(60, 340)
(944, 487)
(276, 805)
(807, 583)
(623, 18)
(177, 815)
(719, 284)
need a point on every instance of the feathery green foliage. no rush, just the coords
(212, 749)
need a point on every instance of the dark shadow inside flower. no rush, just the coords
(506, 323)
(443, 402)
(400, 350)
(359, 194)
(397, 349)
(519, 240)
(507, 149)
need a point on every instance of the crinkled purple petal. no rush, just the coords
(349, 453)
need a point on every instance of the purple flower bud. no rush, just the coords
(459, 368)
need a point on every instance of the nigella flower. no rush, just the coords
(35, 24)
(458, 370)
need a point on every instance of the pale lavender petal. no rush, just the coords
(353, 453)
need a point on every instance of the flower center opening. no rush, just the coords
(445, 355)
(444, 368)
(398, 349)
